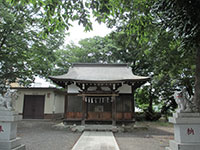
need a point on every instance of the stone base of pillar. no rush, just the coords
(114, 123)
(21, 147)
(173, 145)
(186, 131)
(82, 122)
(12, 144)
(8, 131)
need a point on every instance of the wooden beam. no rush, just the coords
(98, 94)
(99, 82)
(137, 84)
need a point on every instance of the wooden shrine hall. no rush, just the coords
(99, 92)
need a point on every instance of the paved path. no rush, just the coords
(92, 140)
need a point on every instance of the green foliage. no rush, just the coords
(90, 50)
(23, 52)
(158, 59)
(58, 14)
(157, 38)
(142, 95)
(182, 17)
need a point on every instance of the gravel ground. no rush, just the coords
(156, 137)
(39, 135)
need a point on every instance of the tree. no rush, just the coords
(182, 17)
(23, 52)
(58, 14)
(134, 18)
(89, 50)
(159, 58)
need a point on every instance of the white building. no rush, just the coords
(40, 102)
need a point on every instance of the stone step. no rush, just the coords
(21, 147)
(174, 145)
(9, 144)
(99, 128)
(94, 128)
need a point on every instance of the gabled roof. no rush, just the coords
(99, 73)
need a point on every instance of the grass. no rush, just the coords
(154, 123)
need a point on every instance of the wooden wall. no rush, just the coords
(123, 108)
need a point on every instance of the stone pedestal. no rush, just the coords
(8, 131)
(186, 131)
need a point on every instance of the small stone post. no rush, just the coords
(186, 131)
(186, 125)
(8, 124)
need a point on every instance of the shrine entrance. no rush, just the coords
(99, 108)
(100, 92)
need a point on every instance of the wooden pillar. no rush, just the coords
(113, 110)
(123, 110)
(66, 102)
(83, 110)
(132, 102)
(86, 114)
(66, 106)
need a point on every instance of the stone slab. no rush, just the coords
(187, 133)
(10, 118)
(8, 130)
(8, 113)
(8, 145)
(186, 120)
(167, 148)
(99, 127)
(92, 140)
(21, 147)
(173, 145)
(185, 115)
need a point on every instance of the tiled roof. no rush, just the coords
(99, 72)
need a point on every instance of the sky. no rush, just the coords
(77, 32)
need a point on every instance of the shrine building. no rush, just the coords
(100, 92)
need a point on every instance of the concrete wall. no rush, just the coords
(49, 102)
(59, 103)
(19, 102)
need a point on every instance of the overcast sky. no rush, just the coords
(77, 32)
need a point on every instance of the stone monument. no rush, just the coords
(8, 123)
(186, 124)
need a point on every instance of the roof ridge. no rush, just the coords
(98, 65)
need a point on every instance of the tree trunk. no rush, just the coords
(172, 104)
(150, 107)
(197, 81)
